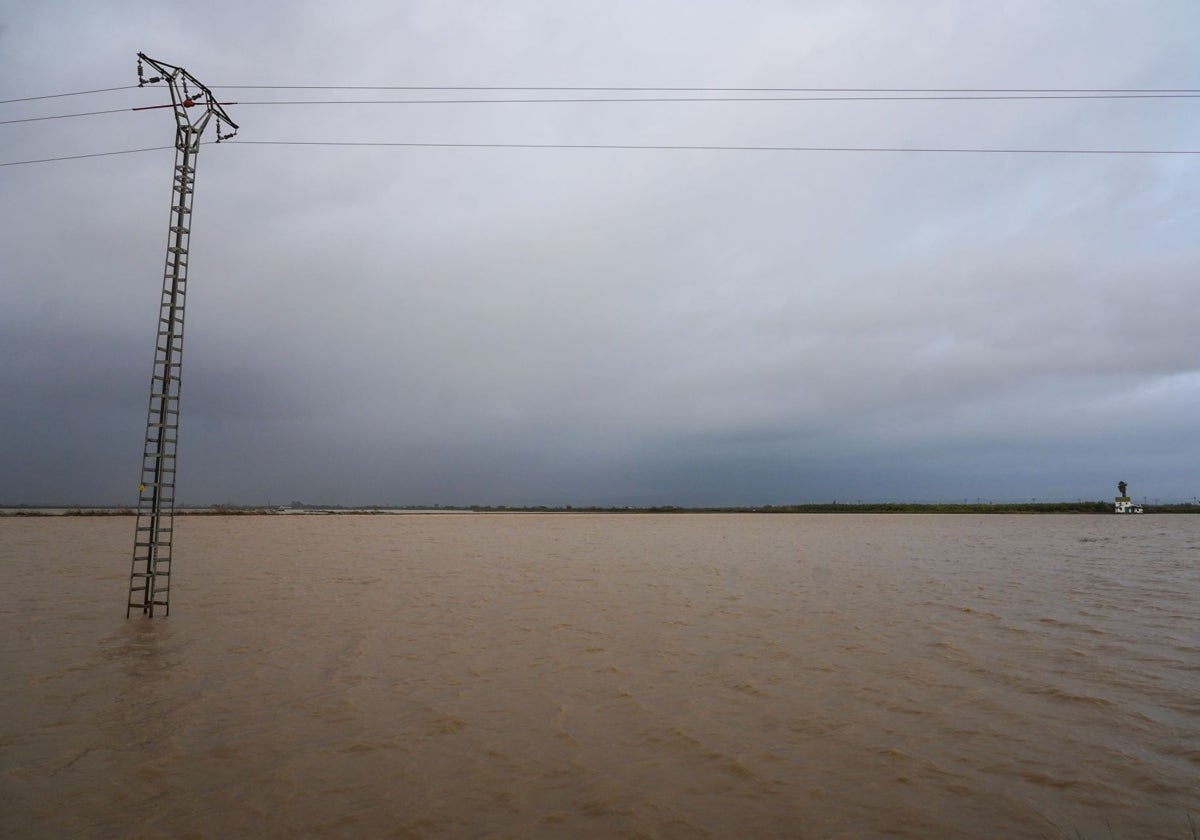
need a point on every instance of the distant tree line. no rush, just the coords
(819, 507)
(858, 507)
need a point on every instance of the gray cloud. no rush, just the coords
(524, 326)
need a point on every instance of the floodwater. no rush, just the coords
(597, 676)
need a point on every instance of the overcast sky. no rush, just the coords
(401, 325)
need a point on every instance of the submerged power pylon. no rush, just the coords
(194, 107)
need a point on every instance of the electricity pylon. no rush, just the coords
(194, 107)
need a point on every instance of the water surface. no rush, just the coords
(606, 676)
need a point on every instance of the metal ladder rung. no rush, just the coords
(153, 533)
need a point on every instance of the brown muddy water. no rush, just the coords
(596, 676)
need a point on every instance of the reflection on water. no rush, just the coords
(606, 676)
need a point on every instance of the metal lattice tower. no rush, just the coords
(194, 107)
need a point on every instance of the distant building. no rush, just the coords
(1122, 503)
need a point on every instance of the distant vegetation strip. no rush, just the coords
(877, 507)
(822, 507)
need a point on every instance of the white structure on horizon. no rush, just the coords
(1122, 503)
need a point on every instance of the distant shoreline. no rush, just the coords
(825, 507)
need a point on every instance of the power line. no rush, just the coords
(657, 99)
(717, 148)
(65, 116)
(576, 100)
(1030, 92)
(642, 147)
(90, 155)
(714, 89)
(60, 95)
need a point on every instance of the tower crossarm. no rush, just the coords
(194, 104)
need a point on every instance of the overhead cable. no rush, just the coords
(656, 99)
(718, 148)
(90, 155)
(65, 116)
(642, 147)
(713, 89)
(576, 100)
(60, 95)
(644, 89)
